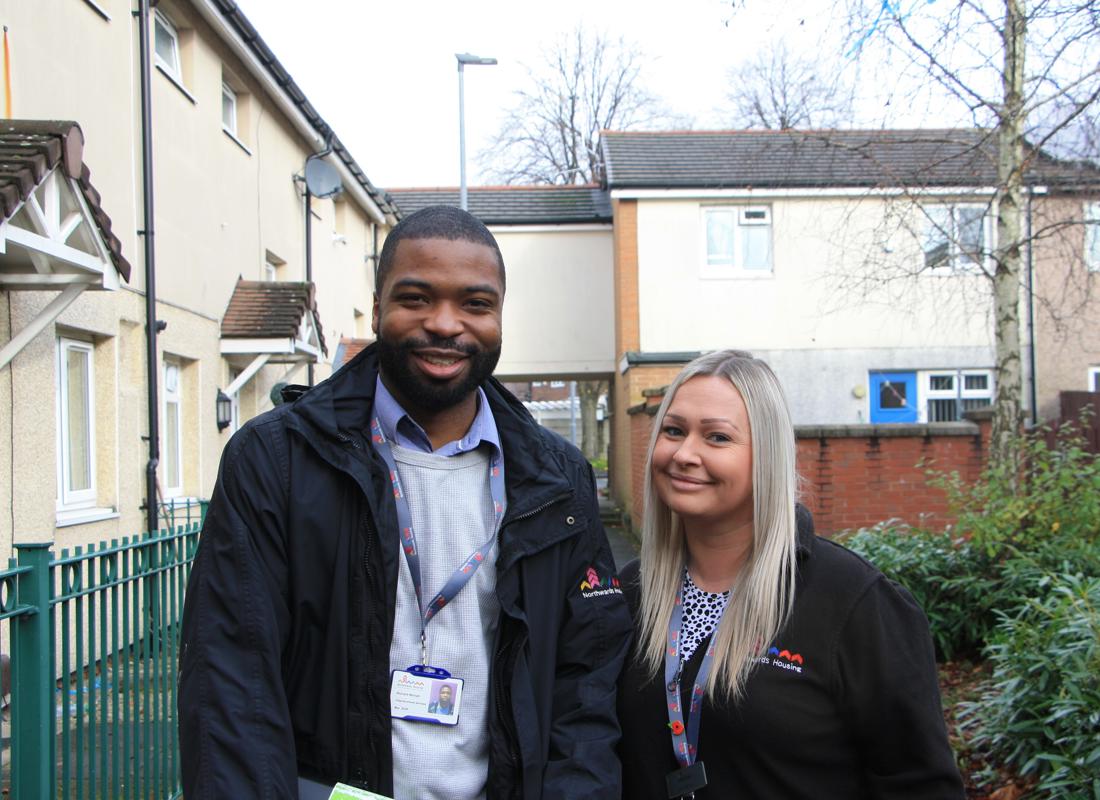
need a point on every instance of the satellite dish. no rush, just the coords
(322, 179)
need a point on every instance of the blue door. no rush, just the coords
(893, 397)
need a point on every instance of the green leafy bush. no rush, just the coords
(945, 575)
(1041, 710)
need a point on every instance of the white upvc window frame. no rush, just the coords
(161, 22)
(172, 395)
(941, 221)
(958, 390)
(731, 263)
(228, 93)
(1094, 379)
(67, 498)
(1092, 235)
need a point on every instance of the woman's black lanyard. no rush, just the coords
(692, 775)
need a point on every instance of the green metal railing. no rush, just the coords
(93, 636)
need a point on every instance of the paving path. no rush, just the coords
(622, 546)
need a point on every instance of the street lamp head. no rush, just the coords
(469, 58)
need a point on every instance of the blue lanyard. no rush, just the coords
(685, 740)
(461, 576)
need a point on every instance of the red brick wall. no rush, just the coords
(857, 475)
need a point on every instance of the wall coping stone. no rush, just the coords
(897, 430)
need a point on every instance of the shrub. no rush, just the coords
(944, 575)
(1040, 712)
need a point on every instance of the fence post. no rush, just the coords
(33, 679)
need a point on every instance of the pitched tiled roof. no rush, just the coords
(29, 150)
(259, 48)
(517, 205)
(804, 159)
(270, 310)
(348, 349)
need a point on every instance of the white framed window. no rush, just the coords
(229, 110)
(957, 237)
(75, 424)
(272, 269)
(1092, 237)
(166, 46)
(947, 394)
(737, 241)
(172, 424)
(1094, 379)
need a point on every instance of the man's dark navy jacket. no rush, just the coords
(284, 661)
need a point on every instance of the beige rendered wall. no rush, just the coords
(804, 302)
(558, 318)
(1067, 302)
(221, 206)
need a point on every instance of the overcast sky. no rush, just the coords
(384, 75)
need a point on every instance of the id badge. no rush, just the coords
(425, 694)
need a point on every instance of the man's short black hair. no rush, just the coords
(436, 222)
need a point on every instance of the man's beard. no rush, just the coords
(426, 394)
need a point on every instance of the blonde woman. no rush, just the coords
(768, 662)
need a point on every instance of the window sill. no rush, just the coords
(176, 82)
(82, 516)
(97, 9)
(236, 141)
(762, 275)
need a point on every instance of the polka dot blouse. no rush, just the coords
(702, 613)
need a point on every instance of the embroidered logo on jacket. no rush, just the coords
(592, 586)
(783, 659)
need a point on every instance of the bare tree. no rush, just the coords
(781, 90)
(1025, 72)
(587, 83)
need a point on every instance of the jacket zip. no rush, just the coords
(504, 709)
(360, 769)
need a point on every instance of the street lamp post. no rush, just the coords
(463, 60)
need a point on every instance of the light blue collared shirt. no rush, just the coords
(404, 431)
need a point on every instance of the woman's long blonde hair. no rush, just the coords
(764, 591)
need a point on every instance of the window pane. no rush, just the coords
(970, 403)
(937, 238)
(976, 383)
(78, 419)
(891, 394)
(1092, 235)
(229, 109)
(756, 247)
(943, 410)
(164, 43)
(971, 225)
(941, 383)
(720, 238)
(172, 445)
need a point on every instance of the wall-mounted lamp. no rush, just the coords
(223, 410)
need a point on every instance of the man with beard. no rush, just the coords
(403, 523)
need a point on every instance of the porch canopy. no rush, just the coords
(54, 233)
(270, 322)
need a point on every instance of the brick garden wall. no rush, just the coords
(857, 475)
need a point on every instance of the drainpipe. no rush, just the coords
(309, 263)
(309, 234)
(152, 326)
(1031, 316)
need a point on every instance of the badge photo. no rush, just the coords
(421, 697)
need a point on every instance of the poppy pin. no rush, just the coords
(677, 727)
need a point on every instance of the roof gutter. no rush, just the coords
(240, 48)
